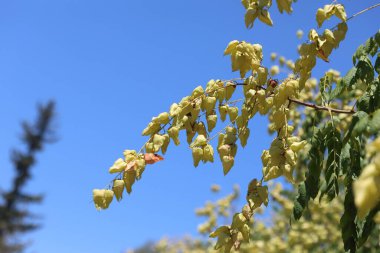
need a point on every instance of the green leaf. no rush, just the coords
(365, 70)
(357, 117)
(301, 202)
(368, 226)
(377, 64)
(361, 125)
(374, 123)
(332, 169)
(345, 157)
(370, 47)
(315, 165)
(339, 89)
(350, 78)
(348, 224)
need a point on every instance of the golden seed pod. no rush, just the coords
(149, 147)
(201, 128)
(231, 130)
(197, 155)
(221, 139)
(118, 166)
(152, 128)
(246, 232)
(140, 167)
(229, 90)
(220, 93)
(261, 96)
(223, 109)
(240, 122)
(329, 35)
(271, 172)
(299, 34)
(264, 108)
(285, 5)
(273, 56)
(290, 157)
(231, 47)
(197, 92)
(200, 141)
(274, 70)
(230, 138)
(208, 104)
(265, 157)
(129, 178)
(98, 198)
(211, 122)
(238, 221)
(118, 188)
(320, 16)
(162, 118)
(194, 113)
(129, 155)
(158, 141)
(243, 136)
(233, 113)
(228, 163)
(250, 94)
(297, 146)
(108, 197)
(208, 152)
(287, 170)
(165, 145)
(174, 110)
(190, 133)
(173, 133)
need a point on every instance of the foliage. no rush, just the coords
(14, 219)
(321, 129)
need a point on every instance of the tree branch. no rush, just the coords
(320, 108)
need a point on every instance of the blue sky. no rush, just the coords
(112, 65)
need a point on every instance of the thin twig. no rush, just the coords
(321, 108)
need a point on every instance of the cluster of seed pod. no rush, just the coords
(244, 56)
(239, 230)
(327, 41)
(102, 198)
(328, 11)
(321, 45)
(227, 148)
(260, 9)
(281, 158)
(130, 169)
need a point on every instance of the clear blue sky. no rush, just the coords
(111, 66)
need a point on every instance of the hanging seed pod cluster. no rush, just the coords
(320, 129)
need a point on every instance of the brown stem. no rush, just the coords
(320, 108)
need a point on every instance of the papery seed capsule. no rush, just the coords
(228, 163)
(211, 122)
(197, 155)
(108, 197)
(118, 188)
(173, 133)
(208, 152)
